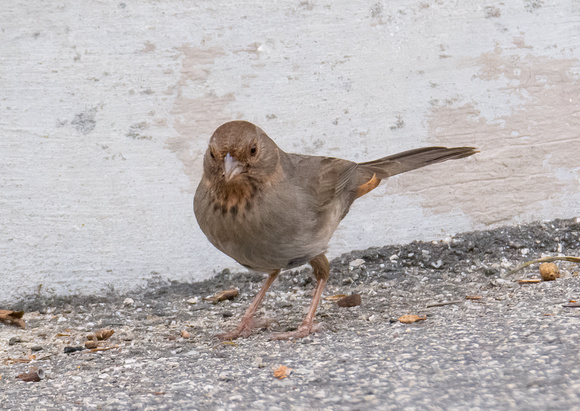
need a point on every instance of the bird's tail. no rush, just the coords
(413, 159)
(371, 173)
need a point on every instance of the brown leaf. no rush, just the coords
(335, 297)
(223, 295)
(12, 318)
(32, 376)
(529, 280)
(282, 372)
(408, 319)
(104, 334)
(349, 301)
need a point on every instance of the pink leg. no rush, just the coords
(321, 270)
(248, 323)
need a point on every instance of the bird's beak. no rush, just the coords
(232, 167)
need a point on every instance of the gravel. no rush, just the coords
(516, 347)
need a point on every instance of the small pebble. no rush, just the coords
(259, 361)
(68, 350)
(128, 301)
(356, 263)
(437, 264)
(14, 340)
(36, 348)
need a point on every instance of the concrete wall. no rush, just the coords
(106, 109)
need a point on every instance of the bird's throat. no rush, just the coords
(234, 197)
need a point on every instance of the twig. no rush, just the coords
(544, 260)
(444, 303)
(103, 348)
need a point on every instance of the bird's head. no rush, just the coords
(240, 153)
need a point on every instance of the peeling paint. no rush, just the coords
(527, 157)
(194, 119)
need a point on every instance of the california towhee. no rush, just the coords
(270, 210)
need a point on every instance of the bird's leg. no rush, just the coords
(321, 269)
(248, 323)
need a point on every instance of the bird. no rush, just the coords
(271, 210)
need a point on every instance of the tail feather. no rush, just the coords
(413, 159)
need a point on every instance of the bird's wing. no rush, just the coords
(332, 178)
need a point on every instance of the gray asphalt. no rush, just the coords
(517, 347)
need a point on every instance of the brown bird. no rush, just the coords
(271, 210)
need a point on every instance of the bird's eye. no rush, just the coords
(253, 150)
(211, 153)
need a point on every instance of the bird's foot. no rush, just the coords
(300, 332)
(245, 328)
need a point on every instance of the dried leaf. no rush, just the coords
(335, 297)
(473, 297)
(104, 334)
(34, 375)
(223, 295)
(408, 319)
(349, 301)
(282, 372)
(12, 318)
(529, 280)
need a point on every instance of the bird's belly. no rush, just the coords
(265, 247)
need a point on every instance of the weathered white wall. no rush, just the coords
(106, 108)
